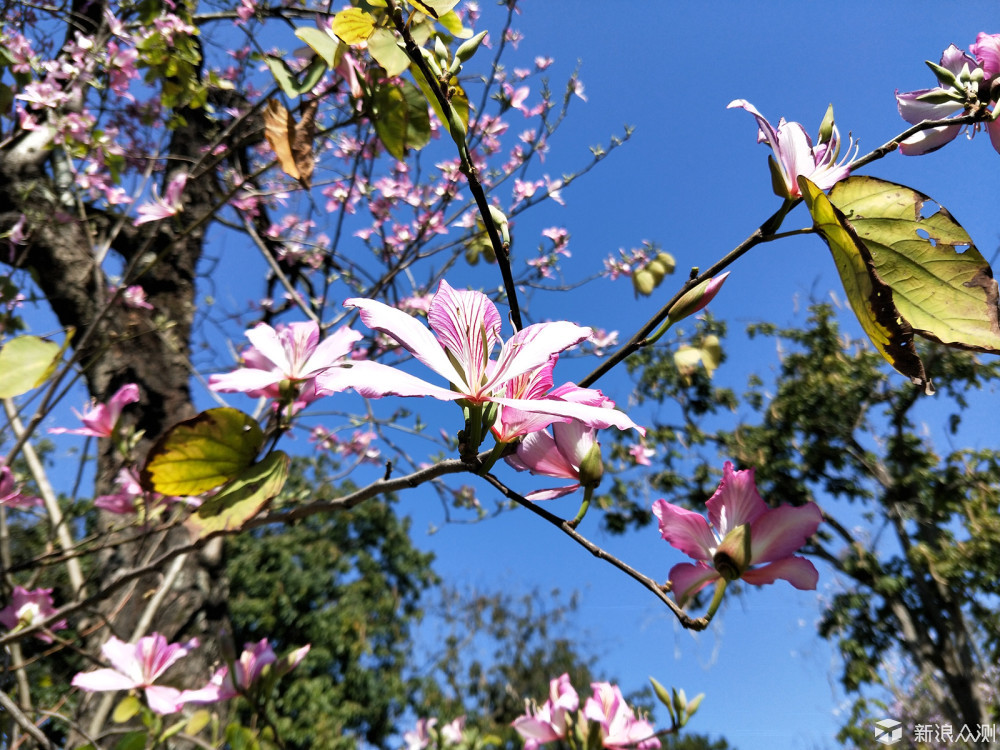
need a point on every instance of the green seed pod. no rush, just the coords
(643, 282)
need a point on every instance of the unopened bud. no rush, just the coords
(826, 127)
(695, 299)
(468, 48)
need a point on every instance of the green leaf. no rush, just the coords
(941, 284)
(401, 118)
(870, 297)
(26, 362)
(287, 79)
(243, 498)
(433, 8)
(127, 708)
(132, 741)
(322, 44)
(198, 721)
(459, 100)
(203, 452)
(384, 48)
(284, 75)
(453, 24)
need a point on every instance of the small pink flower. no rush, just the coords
(12, 497)
(247, 670)
(795, 155)
(135, 297)
(100, 420)
(641, 454)
(743, 538)
(620, 729)
(28, 607)
(136, 667)
(170, 204)
(293, 353)
(548, 723)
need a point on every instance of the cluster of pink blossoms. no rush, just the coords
(559, 718)
(966, 82)
(138, 666)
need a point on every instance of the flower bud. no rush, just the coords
(695, 299)
(468, 48)
(826, 127)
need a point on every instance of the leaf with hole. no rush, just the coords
(203, 452)
(870, 297)
(941, 284)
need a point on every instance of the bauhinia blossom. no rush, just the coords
(29, 607)
(101, 420)
(548, 722)
(743, 538)
(424, 734)
(795, 156)
(464, 331)
(620, 729)
(170, 204)
(293, 355)
(249, 668)
(136, 667)
(964, 87)
(11, 496)
(570, 452)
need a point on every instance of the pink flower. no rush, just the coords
(100, 420)
(10, 496)
(619, 726)
(741, 532)
(170, 204)
(419, 737)
(247, 671)
(137, 666)
(295, 354)
(28, 607)
(641, 454)
(986, 50)
(135, 297)
(548, 722)
(795, 155)
(464, 331)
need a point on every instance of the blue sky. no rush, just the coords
(693, 179)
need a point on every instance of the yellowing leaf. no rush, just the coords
(291, 141)
(127, 708)
(353, 25)
(385, 49)
(203, 452)
(941, 285)
(324, 45)
(26, 362)
(870, 297)
(433, 8)
(243, 498)
(198, 721)
(453, 24)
